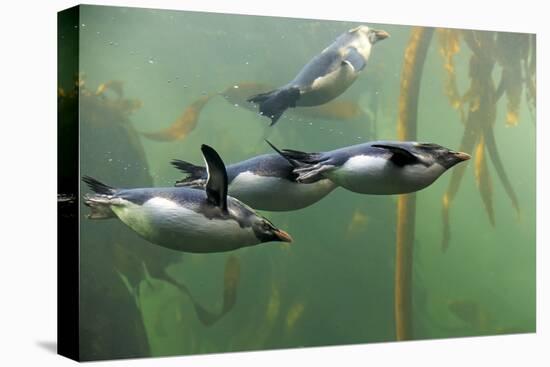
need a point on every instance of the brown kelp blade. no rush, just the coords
(206, 317)
(183, 125)
(239, 93)
(411, 76)
(338, 110)
(445, 215)
(117, 86)
(530, 67)
(481, 112)
(470, 312)
(469, 139)
(231, 283)
(449, 46)
(499, 167)
(512, 49)
(483, 180)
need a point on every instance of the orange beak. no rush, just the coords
(283, 236)
(381, 35)
(462, 156)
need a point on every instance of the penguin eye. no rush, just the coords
(266, 226)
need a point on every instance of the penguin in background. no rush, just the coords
(377, 168)
(324, 77)
(265, 182)
(186, 219)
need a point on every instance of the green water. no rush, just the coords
(335, 283)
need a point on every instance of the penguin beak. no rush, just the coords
(462, 156)
(381, 35)
(282, 235)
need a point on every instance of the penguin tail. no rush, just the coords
(296, 157)
(195, 174)
(274, 103)
(100, 207)
(302, 157)
(98, 187)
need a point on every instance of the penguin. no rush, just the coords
(377, 168)
(186, 219)
(324, 77)
(265, 182)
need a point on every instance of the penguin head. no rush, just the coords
(408, 153)
(265, 231)
(433, 153)
(373, 35)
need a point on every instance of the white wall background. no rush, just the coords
(28, 182)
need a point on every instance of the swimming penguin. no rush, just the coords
(265, 182)
(326, 76)
(186, 219)
(379, 168)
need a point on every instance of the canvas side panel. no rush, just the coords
(68, 183)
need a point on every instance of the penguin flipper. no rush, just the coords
(400, 157)
(289, 160)
(216, 183)
(355, 59)
(195, 174)
(273, 104)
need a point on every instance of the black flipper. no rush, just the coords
(216, 183)
(274, 103)
(302, 157)
(400, 157)
(289, 160)
(192, 171)
(231, 282)
(355, 59)
(98, 187)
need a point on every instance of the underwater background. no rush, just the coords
(149, 93)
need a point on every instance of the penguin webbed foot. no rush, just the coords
(311, 174)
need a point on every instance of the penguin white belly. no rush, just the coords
(327, 87)
(167, 223)
(277, 194)
(379, 176)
